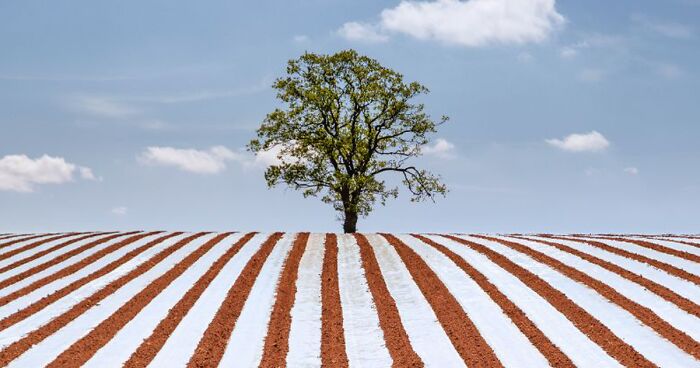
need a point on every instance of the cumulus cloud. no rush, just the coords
(631, 170)
(364, 32)
(441, 149)
(120, 211)
(211, 161)
(20, 173)
(588, 142)
(471, 23)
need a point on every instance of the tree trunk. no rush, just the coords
(350, 224)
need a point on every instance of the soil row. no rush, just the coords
(659, 248)
(32, 237)
(41, 242)
(675, 271)
(584, 321)
(277, 338)
(658, 289)
(332, 332)
(82, 350)
(20, 346)
(56, 260)
(64, 272)
(395, 335)
(463, 334)
(212, 346)
(150, 347)
(551, 352)
(642, 313)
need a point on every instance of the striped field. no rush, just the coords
(171, 299)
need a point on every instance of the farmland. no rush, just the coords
(170, 299)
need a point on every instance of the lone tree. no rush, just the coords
(346, 121)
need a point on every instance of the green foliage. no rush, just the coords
(346, 120)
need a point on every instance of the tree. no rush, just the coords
(347, 121)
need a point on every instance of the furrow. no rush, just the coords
(593, 328)
(212, 346)
(17, 348)
(675, 271)
(554, 355)
(82, 350)
(660, 290)
(463, 334)
(153, 343)
(395, 334)
(277, 340)
(333, 352)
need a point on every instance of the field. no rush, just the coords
(170, 299)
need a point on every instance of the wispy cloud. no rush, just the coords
(104, 107)
(470, 23)
(591, 75)
(664, 28)
(120, 211)
(20, 173)
(669, 71)
(586, 142)
(631, 170)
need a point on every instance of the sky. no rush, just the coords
(565, 116)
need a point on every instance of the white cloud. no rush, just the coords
(442, 149)
(211, 161)
(588, 142)
(631, 170)
(591, 75)
(20, 173)
(470, 23)
(120, 211)
(364, 32)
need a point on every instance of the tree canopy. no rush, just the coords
(346, 121)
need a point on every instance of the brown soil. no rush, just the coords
(20, 346)
(696, 245)
(15, 240)
(395, 335)
(332, 332)
(658, 248)
(150, 347)
(211, 347)
(675, 271)
(41, 242)
(82, 350)
(590, 326)
(642, 313)
(64, 271)
(47, 300)
(465, 337)
(660, 290)
(277, 339)
(551, 352)
(12, 236)
(60, 258)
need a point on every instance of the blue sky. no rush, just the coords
(574, 116)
